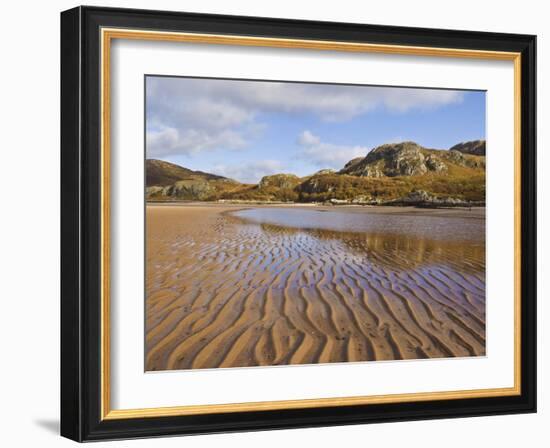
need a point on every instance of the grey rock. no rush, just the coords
(288, 181)
(475, 147)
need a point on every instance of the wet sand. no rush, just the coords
(231, 286)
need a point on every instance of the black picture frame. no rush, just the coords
(81, 227)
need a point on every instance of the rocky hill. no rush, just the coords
(168, 181)
(161, 173)
(288, 181)
(476, 147)
(411, 159)
(397, 174)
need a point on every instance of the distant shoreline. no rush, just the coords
(398, 203)
(393, 204)
(458, 212)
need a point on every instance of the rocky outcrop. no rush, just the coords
(348, 166)
(395, 159)
(463, 159)
(155, 192)
(421, 198)
(453, 156)
(435, 164)
(325, 171)
(475, 147)
(317, 184)
(190, 190)
(411, 159)
(286, 181)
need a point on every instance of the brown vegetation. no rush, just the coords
(387, 174)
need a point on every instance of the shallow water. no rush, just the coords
(413, 225)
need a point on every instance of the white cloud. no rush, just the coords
(333, 102)
(249, 173)
(306, 138)
(327, 155)
(190, 141)
(186, 115)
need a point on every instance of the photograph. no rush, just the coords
(291, 223)
(283, 221)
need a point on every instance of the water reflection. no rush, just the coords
(467, 227)
(407, 242)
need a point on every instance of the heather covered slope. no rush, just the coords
(476, 147)
(394, 173)
(168, 181)
(161, 173)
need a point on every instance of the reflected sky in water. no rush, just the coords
(411, 225)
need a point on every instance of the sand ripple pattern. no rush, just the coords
(222, 292)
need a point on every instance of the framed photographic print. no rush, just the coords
(273, 223)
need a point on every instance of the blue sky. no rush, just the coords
(249, 129)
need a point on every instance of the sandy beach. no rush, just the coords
(234, 285)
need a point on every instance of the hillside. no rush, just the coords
(476, 147)
(168, 181)
(161, 173)
(398, 173)
(411, 159)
